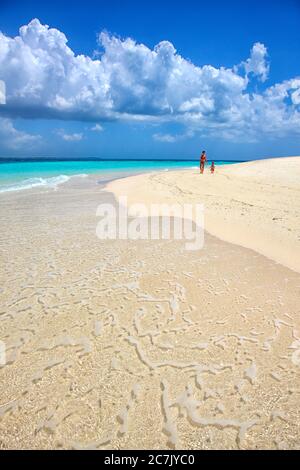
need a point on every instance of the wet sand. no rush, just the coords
(140, 344)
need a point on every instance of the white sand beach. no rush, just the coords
(121, 344)
(254, 204)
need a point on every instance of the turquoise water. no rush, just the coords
(25, 175)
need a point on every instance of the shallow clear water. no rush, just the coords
(29, 174)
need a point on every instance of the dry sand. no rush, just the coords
(255, 204)
(127, 345)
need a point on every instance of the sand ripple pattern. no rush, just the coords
(141, 344)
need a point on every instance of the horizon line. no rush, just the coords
(82, 159)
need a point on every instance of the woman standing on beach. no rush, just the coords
(203, 159)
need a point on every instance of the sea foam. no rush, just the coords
(31, 183)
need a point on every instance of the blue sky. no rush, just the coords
(225, 77)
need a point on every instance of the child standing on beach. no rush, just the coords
(212, 168)
(203, 159)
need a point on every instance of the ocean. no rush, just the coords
(22, 175)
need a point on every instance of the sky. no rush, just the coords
(149, 79)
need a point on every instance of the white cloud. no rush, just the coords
(257, 62)
(76, 137)
(129, 81)
(97, 128)
(14, 139)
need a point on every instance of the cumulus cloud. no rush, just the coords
(257, 63)
(14, 139)
(129, 81)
